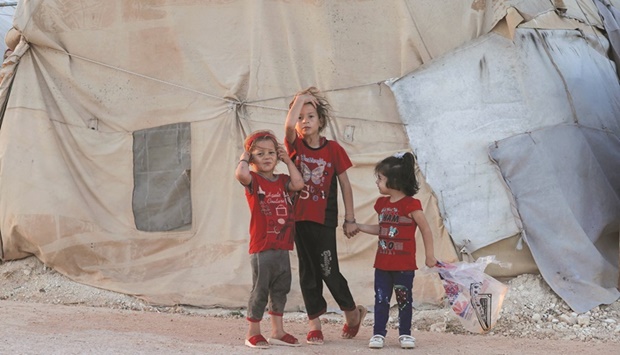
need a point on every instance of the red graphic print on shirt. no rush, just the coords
(272, 223)
(396, 246)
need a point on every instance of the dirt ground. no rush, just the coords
(34, 328)
(43, 312)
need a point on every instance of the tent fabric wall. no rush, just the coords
(7, 11)
(78, 105)
(91, 73)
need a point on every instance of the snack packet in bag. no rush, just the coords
(475, 297)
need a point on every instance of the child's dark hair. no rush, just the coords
(399, 170)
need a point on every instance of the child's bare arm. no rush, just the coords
(427, 237)
(350, 227)
(242, 173)
(297, 181)
(368, 228)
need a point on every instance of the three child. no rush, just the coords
(316, 167)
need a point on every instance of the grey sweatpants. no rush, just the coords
(271, 280)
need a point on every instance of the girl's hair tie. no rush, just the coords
(399, 155)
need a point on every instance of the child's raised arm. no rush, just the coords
(427, 237)
(293, 114)
(242, 173)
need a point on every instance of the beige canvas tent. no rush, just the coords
(124, 119)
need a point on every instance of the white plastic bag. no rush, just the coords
(475, 297)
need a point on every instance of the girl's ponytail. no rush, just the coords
(409, 173)
(399, 169)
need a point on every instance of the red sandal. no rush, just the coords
(257, 341)
(315, 337)
(351, 332)
(286, 340)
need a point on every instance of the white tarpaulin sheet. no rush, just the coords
(566, 186)
(491, 89)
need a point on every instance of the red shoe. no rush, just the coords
(286, 340)
(315, 337)
(351, 332)
(257, 341)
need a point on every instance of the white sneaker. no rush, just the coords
(406, 341)
(376, 342)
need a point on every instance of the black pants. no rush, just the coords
(318, 263)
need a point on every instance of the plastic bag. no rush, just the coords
(475, 297)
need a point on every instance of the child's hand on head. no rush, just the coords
(245, 156)
(308, 98)
(283, 155)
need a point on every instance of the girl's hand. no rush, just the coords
(307, 98)
(283, 155)
(350, 229)
(245, 156)
(431, 261)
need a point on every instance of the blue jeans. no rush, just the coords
(402, 283)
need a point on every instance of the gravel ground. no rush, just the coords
(531, 313)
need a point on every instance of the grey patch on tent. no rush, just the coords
(162, 165)
(565, 181)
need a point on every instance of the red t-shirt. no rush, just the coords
(272, 225)
(396, 249)
(320, 167)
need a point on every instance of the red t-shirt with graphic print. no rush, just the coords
(396, 247)
(272, 224)
(320, 167)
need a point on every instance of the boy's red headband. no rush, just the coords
(259, 135)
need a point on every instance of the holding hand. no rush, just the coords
(350, 229)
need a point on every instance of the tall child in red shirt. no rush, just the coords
(399, 216)
(272, 229)
(323, 164)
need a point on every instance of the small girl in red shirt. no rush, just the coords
(399, 216)
(272, 230)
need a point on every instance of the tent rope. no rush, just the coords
(234, 102)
